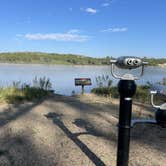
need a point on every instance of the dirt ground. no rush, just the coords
(75, 131)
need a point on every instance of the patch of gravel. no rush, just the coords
(74, 131)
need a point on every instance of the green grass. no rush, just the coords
(22, 92)
(12, 95)
(105, 88)
(142, 93)
(106, 91)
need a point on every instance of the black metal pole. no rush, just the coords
(127, 89)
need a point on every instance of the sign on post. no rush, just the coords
(83, 82)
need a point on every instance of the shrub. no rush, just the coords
(18, 92)
(106, 91)
(103, 81)
(42, 83)
(104, 88)
(142, 93)
(164, 81)
(114, 92)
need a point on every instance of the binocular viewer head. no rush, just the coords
(127, 62)
(159, 91)
(160, 110)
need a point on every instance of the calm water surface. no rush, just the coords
(62, 77)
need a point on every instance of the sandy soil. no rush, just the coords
(162, 65)
(75, 131)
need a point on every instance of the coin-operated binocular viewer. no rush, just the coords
(160, 110)
(127, 89)
(157, 91)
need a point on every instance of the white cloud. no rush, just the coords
(70, 36)
(91, 10)
(105, 4)
(73, 31)
(123, 29)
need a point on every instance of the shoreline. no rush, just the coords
(162, 65)
(69, 65)
(49, 64)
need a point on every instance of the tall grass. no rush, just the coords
(21, 91)
(105, 88)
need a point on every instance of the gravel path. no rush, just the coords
(74, 131)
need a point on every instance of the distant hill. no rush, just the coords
(156, 61)
(51, 58)
(66, 59)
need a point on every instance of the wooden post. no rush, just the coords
(82, 89)
(83, 82)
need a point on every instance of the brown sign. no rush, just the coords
(82, 81)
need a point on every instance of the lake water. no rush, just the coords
(62, 77)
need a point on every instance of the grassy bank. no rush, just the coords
(23, 92)
(105, 88)
(142, 93)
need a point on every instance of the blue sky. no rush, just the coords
(95, 28)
